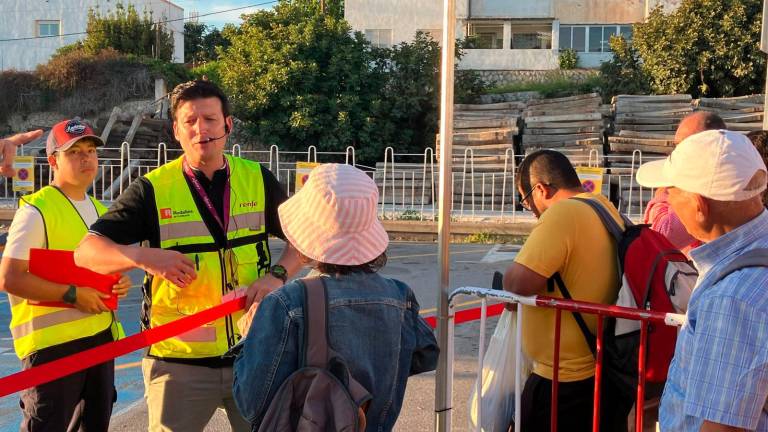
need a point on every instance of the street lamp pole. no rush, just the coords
(443, 381)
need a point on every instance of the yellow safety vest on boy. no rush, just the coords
(37, 327)
(220, 271)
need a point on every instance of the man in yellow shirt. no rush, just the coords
(570, 240)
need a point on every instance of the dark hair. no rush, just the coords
(713, 121)
(372, 266)
(197, 89)
(550, 167)
(760, 141)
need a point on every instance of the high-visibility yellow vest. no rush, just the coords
(37, 327)
(220, 271)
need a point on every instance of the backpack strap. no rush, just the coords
(751, 258)
(317, 350)
(315, 323)
(588, 336)
(605, 216)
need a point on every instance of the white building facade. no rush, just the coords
(507, 34)
(32, 30)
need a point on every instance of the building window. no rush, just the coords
(486, 36)
(48, 28)
(592, 38)
(531, 36)
(379, 38)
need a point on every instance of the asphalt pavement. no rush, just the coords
(413, 263)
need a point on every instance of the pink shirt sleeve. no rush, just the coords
(663, 219)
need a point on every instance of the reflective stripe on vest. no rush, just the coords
(219, 270)
(35, 327)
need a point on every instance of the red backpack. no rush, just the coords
(654, 276)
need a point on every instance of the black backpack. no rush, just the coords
(321, 396)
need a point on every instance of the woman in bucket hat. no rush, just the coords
(373, 321)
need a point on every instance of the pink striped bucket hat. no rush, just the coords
(332, 219)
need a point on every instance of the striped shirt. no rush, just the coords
(720, 369)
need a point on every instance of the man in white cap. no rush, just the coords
(718, 379)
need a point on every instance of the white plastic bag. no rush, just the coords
(498, 385)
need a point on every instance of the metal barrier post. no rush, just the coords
(480, 362)
(555, 372)
(598, 375)
(639, 407)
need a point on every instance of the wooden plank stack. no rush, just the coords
(647, 123)
(572, 125)
(483, 146)
(742, 113)
(569, 122)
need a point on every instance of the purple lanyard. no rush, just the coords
(204, 195)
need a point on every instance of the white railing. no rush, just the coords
(407, 181)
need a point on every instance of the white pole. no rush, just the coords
(764, 48)
(443, 379)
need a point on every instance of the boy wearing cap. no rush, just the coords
(718, 379)
(57, 217)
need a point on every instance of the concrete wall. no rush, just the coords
(509, 59)
(19, 20)
(403, 17)
(511, 8)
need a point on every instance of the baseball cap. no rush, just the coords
(65, 133)
(717, 164)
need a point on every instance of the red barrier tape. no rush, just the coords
(468, 315)
(100, 354)
(85, 359)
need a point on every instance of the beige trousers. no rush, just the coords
(183, 398)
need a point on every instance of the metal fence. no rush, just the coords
(408, 182)
(645, 317)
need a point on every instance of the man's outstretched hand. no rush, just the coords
(8, 149)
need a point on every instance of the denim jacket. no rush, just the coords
(373, 324)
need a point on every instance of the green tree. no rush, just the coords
(127, 32)
(194, 36)
(623, 74)
(303, 78)
(705, 47)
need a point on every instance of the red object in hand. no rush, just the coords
(59, 266)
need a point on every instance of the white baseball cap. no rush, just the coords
(717, 164)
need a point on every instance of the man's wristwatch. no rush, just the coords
(279, 272)
(70, 296)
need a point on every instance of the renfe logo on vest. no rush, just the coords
(166, 213)
(248, 204)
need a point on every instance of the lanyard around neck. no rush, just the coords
(206, 199)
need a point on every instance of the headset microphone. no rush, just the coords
(207, 140)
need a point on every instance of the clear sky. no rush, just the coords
(218, 20)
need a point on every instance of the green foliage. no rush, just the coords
(623, 74)
(568, 59)
(705, 47)
(125, 31)
(193, 40)
(173, 73)
(302, 78)
(557, 87)
(210, 71)
(17, 92)
(202, 42)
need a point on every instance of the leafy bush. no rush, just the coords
(19, 92)
(623, 74)
(125, 31)
(210, 70)
(557, 87)
(705, 47)
(568, 58)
